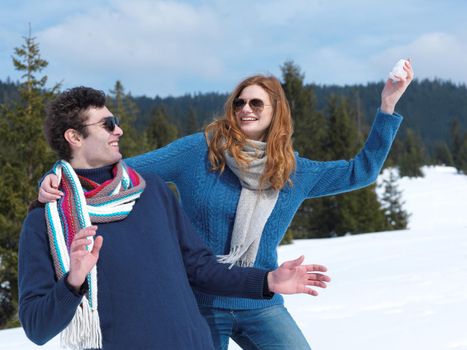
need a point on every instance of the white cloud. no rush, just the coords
(434, 55)
(152, 39)
(331, 65)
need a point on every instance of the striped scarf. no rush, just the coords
(85, 202)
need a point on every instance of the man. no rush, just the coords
(129, 286)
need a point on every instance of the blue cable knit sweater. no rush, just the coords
(210, 199)
(147, 266)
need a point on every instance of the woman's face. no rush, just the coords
(253, 112)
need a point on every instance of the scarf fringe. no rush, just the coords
(233, 258)
(84, 331)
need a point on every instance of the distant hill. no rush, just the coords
(429, 106)
(204, 106)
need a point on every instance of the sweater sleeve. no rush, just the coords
(171, 160)
(167, 162)
(204, 272)
(46, 306)
(333, 177)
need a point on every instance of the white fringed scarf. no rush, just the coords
(254, 207)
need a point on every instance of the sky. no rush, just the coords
(177, 47)
(399, 290)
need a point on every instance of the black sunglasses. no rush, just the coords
(255, 104)
(109, 123)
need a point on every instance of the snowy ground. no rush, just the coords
(399, 290)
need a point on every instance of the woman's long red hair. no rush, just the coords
(225, 135)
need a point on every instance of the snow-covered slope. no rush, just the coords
(400, 290)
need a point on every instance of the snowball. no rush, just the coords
(398, 71)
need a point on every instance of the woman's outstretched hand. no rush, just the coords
(393, 91)
(292, 278)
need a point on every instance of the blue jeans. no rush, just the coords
(257, 329)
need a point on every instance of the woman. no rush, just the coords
(241, 184)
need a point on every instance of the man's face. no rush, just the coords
(100, 147)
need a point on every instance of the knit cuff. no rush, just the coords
(82, 290)
(395, 115)
(267, 294)
(66, 294)
(257, 285)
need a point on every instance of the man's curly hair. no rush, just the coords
(69, 111)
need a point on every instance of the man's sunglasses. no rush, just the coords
(109, 123)
(255, 104)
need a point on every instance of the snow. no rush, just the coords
(389, 290)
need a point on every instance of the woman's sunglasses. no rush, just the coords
(255, 104)
(109, 123)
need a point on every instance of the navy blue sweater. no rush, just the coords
(147, 265)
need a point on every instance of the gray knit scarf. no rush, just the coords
(254, 206)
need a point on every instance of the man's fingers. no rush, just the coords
(87, 231)
(316, 284)
(78, 247)
(310, 291)
(97, 246)
(80, 253)
(318, 277)
(80, 244)
(316, 267)
(81, 238)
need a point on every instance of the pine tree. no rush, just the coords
(126, 109)
(360, 212)
(462, 156)
(309, 133)
(412, 157)
(459, 147)
(357, 211)
(349, 213)
(442, 154)
(395, 153)
(24, 157)
(335, 137)
(331, 216)
(456, 140)
(309, 124)
(397, 217)
(192, 124)
(160, 131)
(343, 139)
